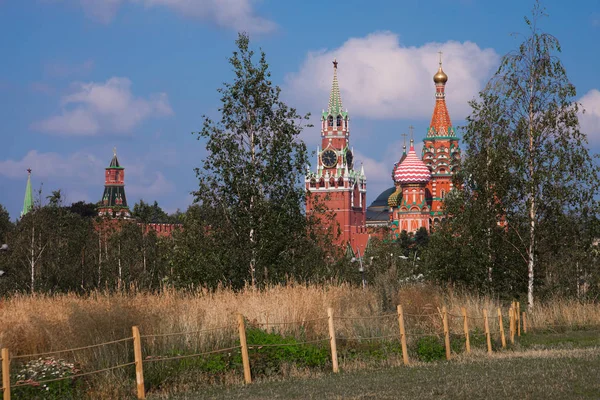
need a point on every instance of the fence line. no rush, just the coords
(158, 335)
(252, 346)
(159, 358)
(370, 317)
(301, 322)
(71, 350)
(517, 321)
(368, 338)
(37, 383)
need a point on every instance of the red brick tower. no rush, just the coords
(114, 202)
(441, 152)
(341, 188)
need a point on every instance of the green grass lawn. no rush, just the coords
(543, 365)
(538, 374)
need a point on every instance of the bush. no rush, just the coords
(42, 369)
(212, 367)
(430, 348)
(268, 360)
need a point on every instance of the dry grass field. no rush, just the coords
(37, 324)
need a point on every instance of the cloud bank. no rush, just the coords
(590, 119)
(382, 79)
(109, 107)
(233, 14)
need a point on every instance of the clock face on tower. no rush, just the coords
(329, 158)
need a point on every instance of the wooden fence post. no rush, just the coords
(501, 325)
(524, 317)
(139, 368)
(487, 331)
(402, 335)
(6, 373)
(244, 348)
(511, 319)
(446, 332)
(466, 327)
(518, 318)
(334, 359)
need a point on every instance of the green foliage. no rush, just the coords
(152, 213)
(523, 217)
(430, 348)
(368, 350)
(42, 369)
(213, 368)
(269, 360)
(248, 185)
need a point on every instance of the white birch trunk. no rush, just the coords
(32, 260)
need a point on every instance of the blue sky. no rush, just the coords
(79, 77)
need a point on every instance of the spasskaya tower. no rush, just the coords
(336, 184)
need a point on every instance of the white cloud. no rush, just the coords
(380, 78)
(236, 14)
(109, 107)
(158, 186)
(80, 176)
(590, 119)
(78, 165)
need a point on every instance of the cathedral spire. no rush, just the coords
(440, 126)
(335, 107)
(28, 201)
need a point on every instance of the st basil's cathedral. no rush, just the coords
(420, 183)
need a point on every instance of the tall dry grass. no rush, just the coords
(41, 323)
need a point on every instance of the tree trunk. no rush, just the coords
(32, 260)
(532, 212)
(251, 209)
(120, 280)
(99, 258)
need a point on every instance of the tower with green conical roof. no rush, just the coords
(336, 184)
(114, 201)
(28, 201)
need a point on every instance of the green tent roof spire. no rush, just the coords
(335, 107)
(28, 201)
(114, 163)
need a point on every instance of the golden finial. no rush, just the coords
(115, 151)
(440, 76)
(335, 63)
(410, 129)
(404, 135)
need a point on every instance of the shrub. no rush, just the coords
(268, 360)
(430, 348)
(42, 369)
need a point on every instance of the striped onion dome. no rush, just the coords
(412, 169)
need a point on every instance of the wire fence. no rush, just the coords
(452, 328)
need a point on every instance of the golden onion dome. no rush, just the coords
(440, 76)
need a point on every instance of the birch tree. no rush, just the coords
(541, 164)
(249, 180)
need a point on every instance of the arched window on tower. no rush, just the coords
(330, 120)
(339, 120)
(443, 194)
(313, 183)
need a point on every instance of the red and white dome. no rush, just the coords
(412, 169)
